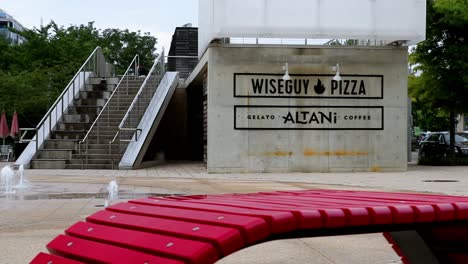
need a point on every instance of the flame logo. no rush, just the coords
(319, 88)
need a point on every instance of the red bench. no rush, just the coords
(423, 228)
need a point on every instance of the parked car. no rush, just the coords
(464, 134)
(423, 136)
(438, 145)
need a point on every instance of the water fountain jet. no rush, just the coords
(23, 183)
(113, 190)
(7, 175)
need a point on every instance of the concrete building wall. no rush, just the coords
(170, 140)
(303, 128)
(462, 125)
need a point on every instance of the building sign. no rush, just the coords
(262, 117)
(308, 86)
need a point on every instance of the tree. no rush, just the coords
(442, 61)
(33, 74)
(121, 46)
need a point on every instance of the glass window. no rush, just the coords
(441, 139)
(458, 138)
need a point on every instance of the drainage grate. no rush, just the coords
(441, 181)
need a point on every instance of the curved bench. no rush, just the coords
(423, 228)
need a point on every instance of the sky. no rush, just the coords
(158, 17)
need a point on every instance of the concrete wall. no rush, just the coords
(307, 127)
(462, 125)
(171, 135)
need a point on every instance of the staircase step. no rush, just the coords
(91, 166)
(113, 126)
(60, 144)
(68, 134)
(103, 138)
(83, 110)
(73, 126)
(109, 111)
(102, 141)
(79, 118)
(48, 163)
(93, 156)
(89, 102)
(123, 101)
(102, 151)
(104, 146)
(90, 161)
(92, 87)
(54, 154)
(95, 94)
(107, 80)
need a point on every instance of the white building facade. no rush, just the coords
(275, 101)
(7, 22)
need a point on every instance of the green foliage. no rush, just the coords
(120, 46)
(33, 74)
(441, 64)
(425, 115)
(442, 59)
(338, 42)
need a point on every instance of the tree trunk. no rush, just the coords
(452, 133)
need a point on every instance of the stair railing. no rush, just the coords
(129, 123)
(134, 65)
(94, 66)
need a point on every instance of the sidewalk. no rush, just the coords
(58, 198)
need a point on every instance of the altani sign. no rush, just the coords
(308, 117)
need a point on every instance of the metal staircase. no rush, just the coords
(58, 149)
(98, 150)
(85, 127)
(75, 108)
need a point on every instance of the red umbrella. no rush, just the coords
(3, 127)
(14, 130)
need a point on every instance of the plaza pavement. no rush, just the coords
(57, 199)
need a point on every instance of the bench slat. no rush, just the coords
(226, 240)
(93, 252)
(44, 258)
(253, 229)
(186, 250)
(305, 218)
(279, 222)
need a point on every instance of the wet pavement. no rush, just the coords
(56, 199)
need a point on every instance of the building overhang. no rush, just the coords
(392, 21)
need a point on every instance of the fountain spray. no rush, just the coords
(7, 175)
(22, 181)
(113, 190)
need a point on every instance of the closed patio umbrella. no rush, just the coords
(14, 130)
(4, 132)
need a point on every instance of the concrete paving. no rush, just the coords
(56, 199)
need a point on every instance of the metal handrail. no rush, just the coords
(159, 60)
(23, 134)
(135, 63)
(97, 55)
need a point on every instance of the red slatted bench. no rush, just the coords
(422, 228)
